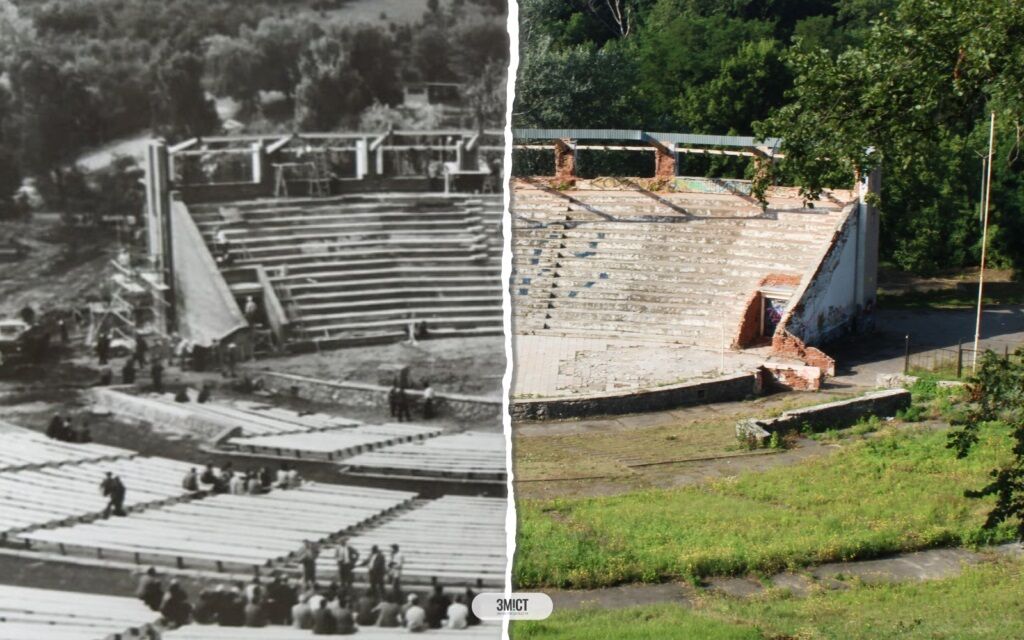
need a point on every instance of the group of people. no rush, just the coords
(399, 402)
(129, 370)
(335, 610)
(61, 428)
(248, 482)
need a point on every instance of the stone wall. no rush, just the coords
(361, 394)
(832, 415)
(728, 388)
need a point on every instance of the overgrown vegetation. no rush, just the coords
(896, 491)
(997, 397)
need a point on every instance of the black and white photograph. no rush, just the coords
(251, 323)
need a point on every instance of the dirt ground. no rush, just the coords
(617, 454)
(64, 267)
(472, 366)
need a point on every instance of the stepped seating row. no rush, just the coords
(456, 539)
(211, 418)
(472, 455)
(41, 614)
(45, 496)
(364, 268)
(21, 448)
(333, 444)
(225, 532)
(676, 268)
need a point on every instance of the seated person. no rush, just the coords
(437, 607)
(176, 609)
(255, 612)
(302, 615)
(346, 622)
(387, 613)
(365, 614)
(414, 615)
(458, 614)
(150, 590)
(232, 609)
(205, 611)
(324, 623)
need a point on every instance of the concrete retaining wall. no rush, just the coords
(361, 394)
(832, 415)
(161, 415)
(728, 388)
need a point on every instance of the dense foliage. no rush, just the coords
(912, 81)
(74, 75)
(998, 397)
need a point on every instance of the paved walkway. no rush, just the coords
(918, 566)
(860, 359)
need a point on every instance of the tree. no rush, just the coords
(280, 43)
(16, 31)
(998, 394)
(53, 114)
(911, 100)
(579, 86)
(330, 92)
(180, 106)
(233, 68)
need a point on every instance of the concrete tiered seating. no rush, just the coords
(21, 448)
(675, 267)
(226, 531)
(456, 539)
(357, 268)
(485, 631)
(472, 455)
(212, 418)
(42, 614)
(48, 495)
(332, 444)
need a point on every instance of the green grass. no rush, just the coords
(1000, 293)
(657, 622)
(983, 602)
(897, 491)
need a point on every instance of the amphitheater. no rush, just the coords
(343, 241)
(643, 293)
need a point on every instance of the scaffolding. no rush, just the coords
(137, 304)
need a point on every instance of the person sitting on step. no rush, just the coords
(176, 610)
(150, 589)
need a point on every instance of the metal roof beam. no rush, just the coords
(644, 136)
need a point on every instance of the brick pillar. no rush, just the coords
(565, 161)
(664, 160)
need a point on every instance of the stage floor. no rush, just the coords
(565, 366)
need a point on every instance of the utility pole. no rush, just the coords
(984, 238)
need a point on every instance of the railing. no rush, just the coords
(953, 362)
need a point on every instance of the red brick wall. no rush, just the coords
(749, 332)
(664, 162)
(565, 161)
(787, 345)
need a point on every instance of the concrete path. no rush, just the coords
(918, 566)
(859, 360)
